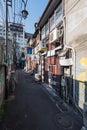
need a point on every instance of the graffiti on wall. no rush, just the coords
(83, 75)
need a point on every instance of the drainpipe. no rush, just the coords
(69, 47)
(74, 73)
(74, 76)
(74, 53)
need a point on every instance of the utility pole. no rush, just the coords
(6, 49)
(7, 3)
(6, 28)
(14, 41)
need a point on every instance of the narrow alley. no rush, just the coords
(30, 108)
(43, 65)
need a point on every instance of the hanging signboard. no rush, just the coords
(16, 28)
(29, 51)
(42, 46)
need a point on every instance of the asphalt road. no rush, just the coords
(30, 108)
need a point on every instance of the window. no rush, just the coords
(0, 30)
(20, 36)
(9, 34)
(43, 33)
(58, 13)
(47, 29)
(52, 22)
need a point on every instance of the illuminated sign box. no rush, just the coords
(29, 51)
(42, 46)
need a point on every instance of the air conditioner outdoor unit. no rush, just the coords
(53, 36)
(59, 32)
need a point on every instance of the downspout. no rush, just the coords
(74, 55)
(69, 47)
(74, 73)
(74, 76)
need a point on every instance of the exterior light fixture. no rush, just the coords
(24, 12)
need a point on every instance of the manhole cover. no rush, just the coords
(64, 120)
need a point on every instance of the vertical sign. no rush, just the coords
(9, 3)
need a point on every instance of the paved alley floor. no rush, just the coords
(30, 108)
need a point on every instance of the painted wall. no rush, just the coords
(81, 74)
(76, 37)
(76, 17)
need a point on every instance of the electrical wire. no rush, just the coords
(14, 12)
(20, 15)
(25, 2)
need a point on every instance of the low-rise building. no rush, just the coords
(75, 19)
(60, 43)
(49, 39)
(16, 36)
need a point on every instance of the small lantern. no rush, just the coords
(24, 13)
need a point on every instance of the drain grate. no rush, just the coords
(64, 120)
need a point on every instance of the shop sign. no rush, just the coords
(42, 46)
(66, 62)
(16, 28)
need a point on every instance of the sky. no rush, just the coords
(35, 9)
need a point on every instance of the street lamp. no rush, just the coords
(24, 12)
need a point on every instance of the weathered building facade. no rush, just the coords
(61, 44)
(75, 21)
(49, 43)
(50, 28)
